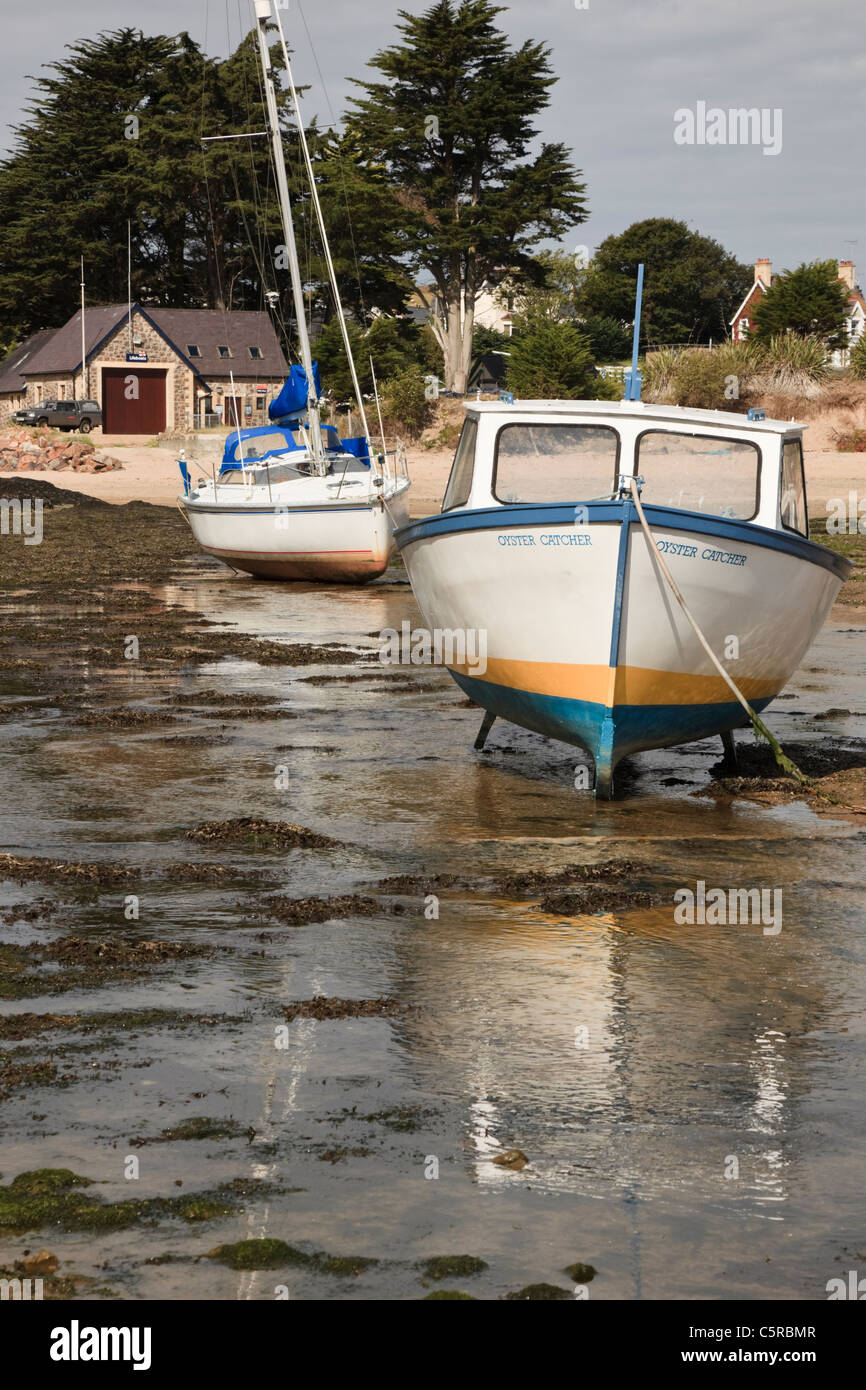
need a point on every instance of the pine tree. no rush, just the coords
(810, 301)
(550, 360)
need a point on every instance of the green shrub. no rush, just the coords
(658, 375)
(405, 407)
(609, 341)
(857, 357)
(789, 353)
(702, 380)
(550, 360)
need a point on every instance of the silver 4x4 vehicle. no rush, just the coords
(62, 415)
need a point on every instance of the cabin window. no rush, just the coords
(193, 350)
(255, 353)
(460, 482)
(793, 500)
(546, 463)
(223, 350)
(700, 473)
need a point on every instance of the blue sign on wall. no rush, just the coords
(136, 357)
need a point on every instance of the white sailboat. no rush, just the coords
(292, 500)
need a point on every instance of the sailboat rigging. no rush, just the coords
(292, 500)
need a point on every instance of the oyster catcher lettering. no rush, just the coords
(688, 552)
(76, 1343)
(548, 538)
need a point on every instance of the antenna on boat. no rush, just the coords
(314, 193)
(633, 378)
(263, 16)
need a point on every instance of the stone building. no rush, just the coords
(153, 369)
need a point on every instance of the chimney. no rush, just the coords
(764, 272)
(846, 273)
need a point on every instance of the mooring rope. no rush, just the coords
(761, 731)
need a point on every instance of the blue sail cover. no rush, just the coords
(292, 400)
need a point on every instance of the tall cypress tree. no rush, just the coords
(447, 170)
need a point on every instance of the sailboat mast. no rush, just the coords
(263, 15)
(323, 230)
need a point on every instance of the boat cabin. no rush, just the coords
(553, 453)
(283, 451)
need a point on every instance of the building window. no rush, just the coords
(223, 350)
(743, 330)
(256, 353)
(193, 350)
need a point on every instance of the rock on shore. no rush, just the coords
(33, 451)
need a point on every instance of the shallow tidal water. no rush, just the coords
(630, 1058)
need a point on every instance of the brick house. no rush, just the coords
(155, 369)
(743, 320)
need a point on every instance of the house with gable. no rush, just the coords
(855, 322)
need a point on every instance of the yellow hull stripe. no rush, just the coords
(620, 685)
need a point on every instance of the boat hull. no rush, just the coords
(584, 640)
(329, 542)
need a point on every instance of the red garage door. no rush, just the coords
(133, 400)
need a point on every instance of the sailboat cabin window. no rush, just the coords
(700, 473)
(555, 463)
(793, 500)
(460, 482)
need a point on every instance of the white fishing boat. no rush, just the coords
(631, 565)
(291, 499)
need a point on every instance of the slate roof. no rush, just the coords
(207, 329)
(11, 380)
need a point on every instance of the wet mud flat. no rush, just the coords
(300, 996)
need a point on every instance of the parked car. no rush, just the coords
(62, 415)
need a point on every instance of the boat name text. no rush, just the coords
(548, 538)
(722, 557)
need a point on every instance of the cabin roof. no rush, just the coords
(615, 410)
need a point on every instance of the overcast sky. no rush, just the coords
(625, 68)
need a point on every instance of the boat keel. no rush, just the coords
(486, 725)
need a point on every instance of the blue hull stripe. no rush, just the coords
(580, 721)
(667, 518)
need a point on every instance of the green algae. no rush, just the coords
(540, 1293)
(452, 1266)
(85, 963)
(198, 1127)
(51, 1197)
(322, 1008)
(580, 1273)
(249, 833)
(273, 1254)
(342, 1265)
(258, 1254)
(14, 1075)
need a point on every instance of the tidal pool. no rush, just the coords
(689, 1098)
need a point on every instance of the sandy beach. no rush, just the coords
(150, 472)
